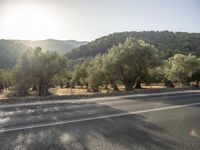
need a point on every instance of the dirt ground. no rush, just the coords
(4, 94)
(78, 90)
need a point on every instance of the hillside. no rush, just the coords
(168, 42)
(51, 44)
(11, 50)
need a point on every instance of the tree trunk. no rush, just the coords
(34, 88)
(138, 85)
(1, 87)
(22, 89)
(95, 89)
(67, 85)
(115, 87)
(72, 85)
(187, 83)
(23, 92)
(169, 84)
(86, 85)
(128, 85)
(61, 85)
(106, 85)
(197, 84)
(43, 89)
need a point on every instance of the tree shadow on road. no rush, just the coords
(127, 132)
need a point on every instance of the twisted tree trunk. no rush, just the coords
(115, 87)
(43, 88)
(197, 84)
(128, 85)
(138, 85)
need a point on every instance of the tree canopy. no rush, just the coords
(37, 67)
(130, 61)
(181, 68)
(168, 42)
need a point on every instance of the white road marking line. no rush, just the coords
(96, 118)
(91, 99)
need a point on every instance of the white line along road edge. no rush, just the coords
(96, 118)
(92, 99)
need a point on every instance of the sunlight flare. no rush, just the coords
(29, 21)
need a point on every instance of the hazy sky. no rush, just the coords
(90, 19)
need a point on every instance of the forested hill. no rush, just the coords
(168, 42)
(55, 45)
(11, 50)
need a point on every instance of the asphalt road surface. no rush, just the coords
(164, 121)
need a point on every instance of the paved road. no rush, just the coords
(167, 121)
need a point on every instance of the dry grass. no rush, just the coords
(154, 87)
(68, 91)
(79, 91)
(4, 94)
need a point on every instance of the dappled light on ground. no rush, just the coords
(79, 90)
(194, 133)
(166, 129)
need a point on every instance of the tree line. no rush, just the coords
(168, 42)
(130, 63)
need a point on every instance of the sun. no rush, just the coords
(28, 21)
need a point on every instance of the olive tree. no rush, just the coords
(61, 79)
(38, 68)
(80, 74)
(95, 73)
(130, 61)
(5, 78)
(180, 68)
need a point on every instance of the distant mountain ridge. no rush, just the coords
(54, 45)
(11, 50)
